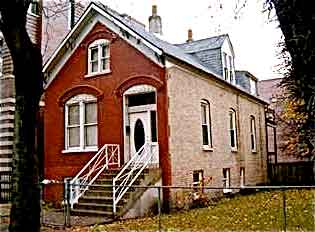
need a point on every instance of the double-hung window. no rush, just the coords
(206, 125)
(99, 57)
(225, 67)
(232, 129)
(231, 70)
(81, 123)
(34, 7)
(253, 133)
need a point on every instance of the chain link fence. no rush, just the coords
(267, 208)
(257, 208)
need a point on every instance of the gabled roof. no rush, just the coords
(159, 46)
(203, 44)
(163, 46)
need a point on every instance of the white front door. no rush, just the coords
(139, 131)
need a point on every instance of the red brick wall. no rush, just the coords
(128, 67)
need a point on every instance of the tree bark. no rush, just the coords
(27, 61)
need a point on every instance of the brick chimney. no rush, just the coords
(190, 36)
(155, 22)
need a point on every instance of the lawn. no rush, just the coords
(260, 211)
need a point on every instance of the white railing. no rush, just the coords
(127, 176)
(108, 155)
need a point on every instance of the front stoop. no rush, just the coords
(97, 201)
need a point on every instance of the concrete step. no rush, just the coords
(101, 199)
(94, 213)
(94, 206)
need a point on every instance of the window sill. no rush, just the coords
(80, 150)
(234, 149)
(254, 151)
(227, 190)
(90, 75)
(207, 148)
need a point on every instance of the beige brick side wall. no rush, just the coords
(185, 91)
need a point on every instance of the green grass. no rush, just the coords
(261, 211)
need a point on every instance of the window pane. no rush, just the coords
(94, 66)
(74, 136)
(203, 114)
(94, 54)
(205, 139)
(252, 141)
(90, 112)
(73, 115)
(153, 126)
(231, 115)
(90, 135)
(105, 64)
(104, 51)
(232, 134)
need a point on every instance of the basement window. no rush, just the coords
(198, 180)
(226, 180)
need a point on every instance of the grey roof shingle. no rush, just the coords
(203, 44)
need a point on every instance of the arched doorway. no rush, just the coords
(140, 120)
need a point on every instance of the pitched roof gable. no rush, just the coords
(157, 45)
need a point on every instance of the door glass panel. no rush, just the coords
(153, 126)
(139, 135)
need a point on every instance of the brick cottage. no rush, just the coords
(121, 102)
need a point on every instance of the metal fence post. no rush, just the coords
(67, 216)
(41, 202)
(284, 210)
(159, 207)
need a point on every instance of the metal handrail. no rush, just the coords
(126, 176)
(109, 154)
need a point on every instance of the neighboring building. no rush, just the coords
(56, 24)
(271, 91)
(7, 93)
(175, 107)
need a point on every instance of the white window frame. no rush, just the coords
(82, 100)
(98, 44)
(226, 180)
(232, 113)
(207, 123)
(253, 141)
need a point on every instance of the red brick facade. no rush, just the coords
(128, 67)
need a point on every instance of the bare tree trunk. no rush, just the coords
(27, 61)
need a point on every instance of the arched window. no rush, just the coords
(81, 123)
(98, 57)
(253, 133)
(232, 129)
(206, 125)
